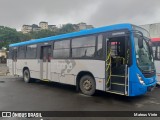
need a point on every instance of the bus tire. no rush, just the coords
(87, 85)
(26, 76)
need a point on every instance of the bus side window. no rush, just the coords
(99, 46)
(154, 52)
(14, 55)
(31, 51)
(45, 54)
(158, 52)
(21, 52)
(61, 49)
(10, 56)
(49, 54)
(84, 47)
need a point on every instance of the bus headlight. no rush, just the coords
(140, 79)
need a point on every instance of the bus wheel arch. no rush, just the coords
(26, 75)
(84, 75)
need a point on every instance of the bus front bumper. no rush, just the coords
(139, 89)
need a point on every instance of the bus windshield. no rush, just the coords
(143, 31)
(144, 56)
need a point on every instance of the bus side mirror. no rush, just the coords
(140, 42)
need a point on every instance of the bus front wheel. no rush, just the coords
(26, 76)
(87, 85)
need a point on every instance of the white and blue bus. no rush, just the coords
(115, 59)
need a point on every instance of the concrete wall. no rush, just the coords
(154, 29)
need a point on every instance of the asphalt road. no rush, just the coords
(16, 95)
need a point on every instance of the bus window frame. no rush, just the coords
(92, 58)
(18, 51)
(53, 44)
(26, 57)
(156, 45)
(14, 54)
(97, 57)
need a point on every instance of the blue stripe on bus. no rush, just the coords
(74, 34)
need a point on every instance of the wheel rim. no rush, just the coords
(26, 76)
(87, 85)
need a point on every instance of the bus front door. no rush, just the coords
(116, 65)
(45, 62)
(14, 61)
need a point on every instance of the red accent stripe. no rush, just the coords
(155, 39)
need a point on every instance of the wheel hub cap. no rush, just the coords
(87, 84)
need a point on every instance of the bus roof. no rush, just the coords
(155, 39)
(74, 34)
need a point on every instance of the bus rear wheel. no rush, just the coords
(87, 85)
(26, 76)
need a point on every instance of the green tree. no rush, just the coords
(7, 36)
(41, 34)
(67, 29)
(10, 35)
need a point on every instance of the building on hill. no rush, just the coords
(52, 27)
(36, 28)
(26, 28)
(44, 26)
(83, 26)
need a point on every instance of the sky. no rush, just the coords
(15, 13)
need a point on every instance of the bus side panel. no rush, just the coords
(32, 64)
(20, 66)
(157, 65)
(95, 67)
(66, 71)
